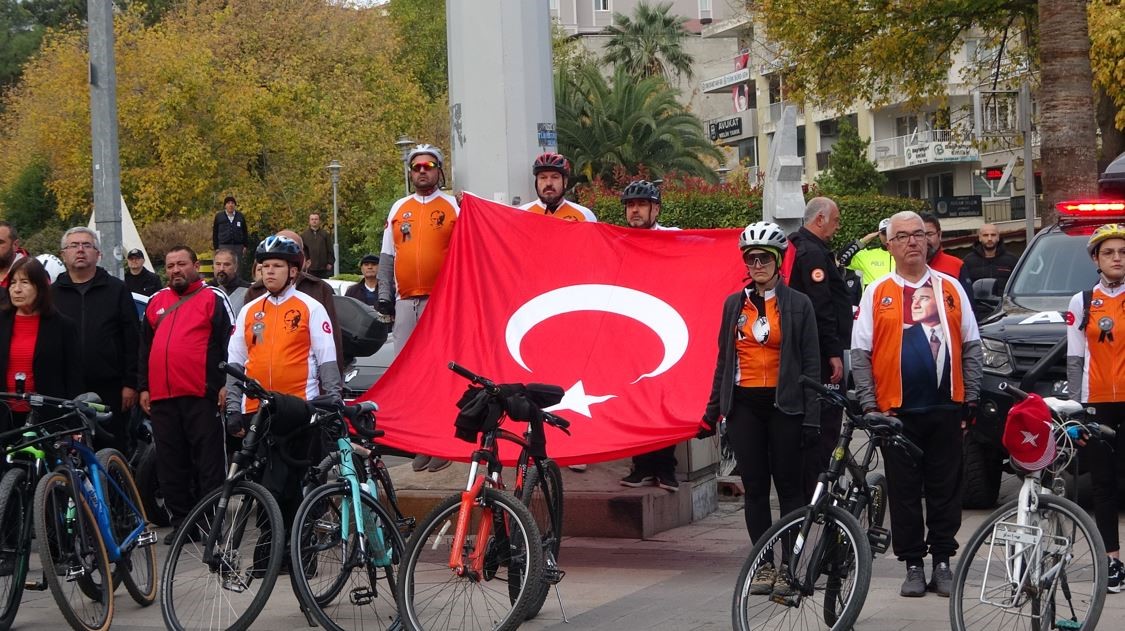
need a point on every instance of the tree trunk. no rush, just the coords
(1113, 139)
(1066, 106)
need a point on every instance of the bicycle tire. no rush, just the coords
(60, 550)
(805, 612)
(425, 566)
(317, 525)
(543, 496)
(144, 474)
(252, 517)
(15, 543)
(1087, 564)
(137, 566)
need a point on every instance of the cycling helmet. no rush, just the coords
(551, 162)
(1103, 233)
(277, 247)
(428, 150)
(763, 234)
(641, 189)
(52, 264)
(885, 225)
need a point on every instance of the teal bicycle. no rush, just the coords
(346, 544)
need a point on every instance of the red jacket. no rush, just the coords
(946, 264)
(181, 348)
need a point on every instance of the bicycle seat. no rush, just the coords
(1063, 407)
(881, 423)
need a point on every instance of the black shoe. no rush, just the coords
(636, 479)
(941, 583)
(1116, 575)
(915, 584)
(668, 482)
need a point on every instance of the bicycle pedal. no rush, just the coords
(361, 596)
(38, 586)
(147, 538)
(1063, 623)
(552, 575)
(788, 601)
(405, 526)
(75, 572)
(879, 538)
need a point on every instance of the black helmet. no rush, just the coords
(551, 162)
(278, 247)
(641, 189)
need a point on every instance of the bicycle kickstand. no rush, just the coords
(561, 609)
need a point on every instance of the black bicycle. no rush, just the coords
(821, 552)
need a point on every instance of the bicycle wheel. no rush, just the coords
(543, 496)
(432, 597)
(15, 543)
(835, 556)
(137, 566)
(341, 585)
(249, 545)
(1069, 561)
(73, 555)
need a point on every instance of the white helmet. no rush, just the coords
(52, 264)
(763, 234)
(884, 224)
(428, 150)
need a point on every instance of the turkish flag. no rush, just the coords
(625, 320)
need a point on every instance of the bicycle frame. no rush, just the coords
(353, 505)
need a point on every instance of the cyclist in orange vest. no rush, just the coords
(552, 178)
(1095, 370)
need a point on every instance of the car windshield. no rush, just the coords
(1056, 268)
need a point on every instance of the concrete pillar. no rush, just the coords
(501, 95)
(103, 132)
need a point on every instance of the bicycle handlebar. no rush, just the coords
(251, 387)
(1016, 393)
(94, 415)
(494, 389)
(880, 424)
(353, 412)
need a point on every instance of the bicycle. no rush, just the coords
(1038, 561)
(227, 554)
(87, 514)
(341, 530)
(481, 553)
(823, 553)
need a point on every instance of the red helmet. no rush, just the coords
(551, 162)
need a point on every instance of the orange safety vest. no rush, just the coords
(758, 361)
(1105, 365)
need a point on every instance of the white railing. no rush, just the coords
(922, 146)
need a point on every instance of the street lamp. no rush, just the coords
(334, 170)
(404, 143)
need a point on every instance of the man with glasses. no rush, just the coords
(415, 242)
(108, 328)
(816, 274)
(916, 354)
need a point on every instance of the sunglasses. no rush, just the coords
(758, 260)
(418, 167)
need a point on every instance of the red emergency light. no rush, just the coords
(993, 175)
(1091, 208)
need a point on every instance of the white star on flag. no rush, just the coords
(1029, 438)
(576, 399)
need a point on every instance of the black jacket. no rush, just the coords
(800, 355)
(108, 327)
(227, 232)
(816, 275)
(977, 266)
(57, 364)
(359, 292)
(146, 283)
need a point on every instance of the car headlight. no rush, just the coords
(997, 359)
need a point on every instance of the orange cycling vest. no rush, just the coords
(1104, 376)
(758, 347)
(567, 211)
(417, 234)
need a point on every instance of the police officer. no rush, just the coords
(816, 275)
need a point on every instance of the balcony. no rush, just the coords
(938, 146)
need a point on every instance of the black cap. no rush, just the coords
(229, 198)
(135, 253)
(370, 258)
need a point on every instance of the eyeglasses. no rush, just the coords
(418, 167)
(758, 260)
(903, 237)
(80, 246)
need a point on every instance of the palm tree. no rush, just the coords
(631, 124)
(649, 43)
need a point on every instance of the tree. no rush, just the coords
(422, 24)
(1107, 58)
(629, 124)
(849, 171)
(839, 52)
(19, 38)
(649, 44)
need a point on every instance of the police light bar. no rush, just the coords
(1091, 208)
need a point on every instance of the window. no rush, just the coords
(910, 188)
(554, 6)
(905, 125)
(704, 9)
(601, 5)
(939, 185)
(777, 88)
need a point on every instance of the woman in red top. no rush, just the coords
(37, 341)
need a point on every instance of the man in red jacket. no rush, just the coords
(184, 337)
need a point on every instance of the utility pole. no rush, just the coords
(103, 134)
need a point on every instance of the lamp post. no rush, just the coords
(404, 143)
(334, 170)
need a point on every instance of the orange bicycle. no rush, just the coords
(479, 559)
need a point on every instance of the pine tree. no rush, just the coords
(849, 171)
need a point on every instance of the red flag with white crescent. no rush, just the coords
(624, 320)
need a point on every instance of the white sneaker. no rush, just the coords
(579, 468)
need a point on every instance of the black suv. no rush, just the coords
(1024, 339)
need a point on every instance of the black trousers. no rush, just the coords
(190, 461)
(1104, 460)
(816, 460)
(118, 426)
(659, 462)
(766, 443)
(937, 477)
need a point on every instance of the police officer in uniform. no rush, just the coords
(816, 275)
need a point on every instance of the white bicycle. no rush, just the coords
(1038, 562)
